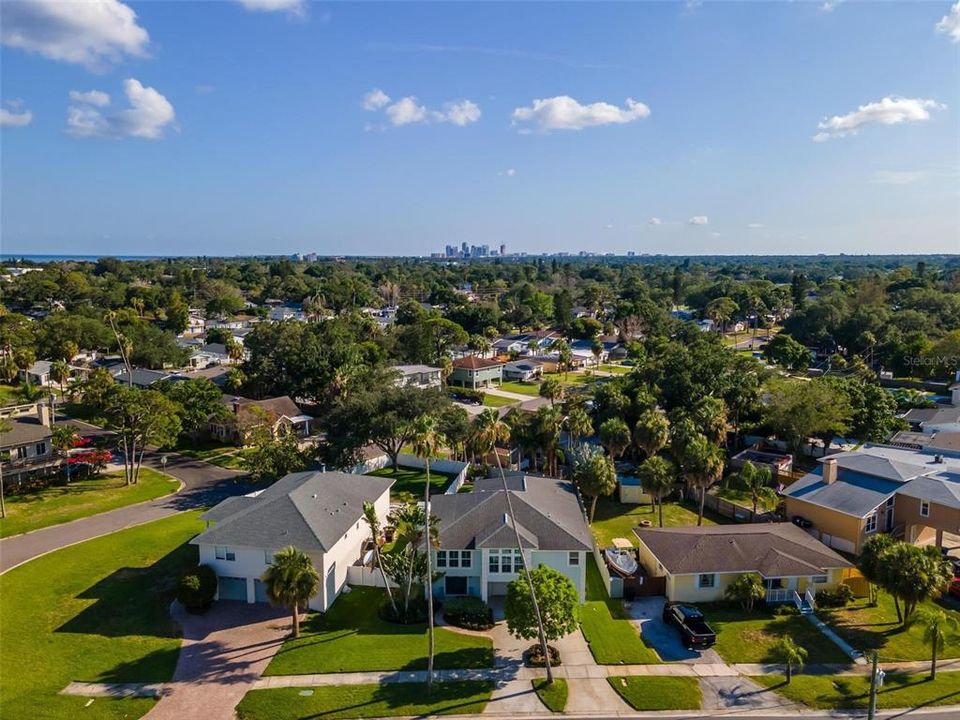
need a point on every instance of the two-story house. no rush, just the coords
(475, 372)
(422, 376)
(478, 553)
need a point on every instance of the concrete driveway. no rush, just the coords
(647, 614)
(224, 652)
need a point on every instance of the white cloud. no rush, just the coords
(655, 221)
(296, 8)
(459, 113)
(405, 111)
(950, 24)
(755, 226)
(898, 177)
(829, 5)
(93, 33)
(408, 110)
(147, 117)
(565, 113)
(92, 97)
(375, 99)
(15, 117)
(888, 111)
(509, 172)
(699, 220)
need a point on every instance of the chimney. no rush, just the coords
(830, 471)
(236, 406)
(43, 413)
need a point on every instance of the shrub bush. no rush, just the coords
(534, 656)
(838, 597)
(468, 612)
(197, 588)
(785, 609)
(416, 612)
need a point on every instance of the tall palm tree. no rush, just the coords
(427, 441)
(935, 623)
(551, 389)
(702, 463)
(59, 373)
(546, 426)
(373, 522)
(490, 431)
(756, 481)
(291, 581)
(710, 415)
(578, 425)
(656, 475)
(5, 427)
(615, 436)
(652, 431)
(790, 654)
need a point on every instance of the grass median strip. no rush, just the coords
(658, 693)
(58, 504)
(360, 701)
(852, 692)
(93, 612)
(553, 695)
(612, 636)
(351, 637)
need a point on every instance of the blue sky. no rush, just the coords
(236, 128)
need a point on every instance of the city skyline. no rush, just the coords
(251, 128)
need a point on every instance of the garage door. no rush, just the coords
(497, 588)
(260, 591)
(233, 588)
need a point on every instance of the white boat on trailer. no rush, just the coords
(621, 561)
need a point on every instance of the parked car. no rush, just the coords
(954, 588)
(801, 522)
(689, 621)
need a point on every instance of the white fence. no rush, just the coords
(362, 576)
(447, 467)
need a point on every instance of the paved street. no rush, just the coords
(203, 485)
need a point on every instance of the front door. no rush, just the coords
(331, 584)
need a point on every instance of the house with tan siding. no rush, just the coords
(699, 563)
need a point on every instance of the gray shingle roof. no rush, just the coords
(940, 488)
(546, 509)
(771, 549)
(877, 466)
(310, 510)
(852, 494)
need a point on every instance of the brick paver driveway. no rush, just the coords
(224, 651)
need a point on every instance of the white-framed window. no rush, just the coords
(819, 579)
(925, 508)
(493, 562)
(706, 580)
(454, 559)
(466, 558)
(224, 553)
(573, 558)
(871, 523)
(505, 561)
(441, 558)
(41, 448)
(267, 557)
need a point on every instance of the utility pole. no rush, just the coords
(876, 679)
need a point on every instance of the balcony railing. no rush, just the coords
(779, 595)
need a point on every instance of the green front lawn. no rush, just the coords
(352, 637)
(612, 636)
(616, 519)
(553, 695)
(749, 637)
(658, 693)
(230, 460)
(361, 701)
(59, 504)
(616, 369)
(876, 628)
(9, 395)
(523, 388)
(411, 482)
(202, 449)
(743, 499)
(97, 611)
(849, 692)
(490, 400)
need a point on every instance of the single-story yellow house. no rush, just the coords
(700, 562)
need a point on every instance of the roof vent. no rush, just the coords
(314, 496)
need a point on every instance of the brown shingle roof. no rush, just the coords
(771, 549)
(472, 362)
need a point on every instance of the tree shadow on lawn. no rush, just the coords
(154, 667)
(134, 601)
(445, 698)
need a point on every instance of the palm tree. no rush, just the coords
(551, 389)
(935, 623)
(710, 415)
(720, 310)
(652, 431)
(615, 436)
(789, 653)
(479, 344)
(657, 474)
(373, 522)
(234, 349)
(578, 425)
(490, 431)
(547, 422)
(5, 427)
(756, 481)
(702, 463)
(564, 356)
(59, 373)
(313, 306)
(291, 581)
(595, 475)
(427, 442)
(597, 349)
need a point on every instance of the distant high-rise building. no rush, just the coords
(503, 249)
(464, 248)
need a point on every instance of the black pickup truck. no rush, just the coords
(694, 631)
